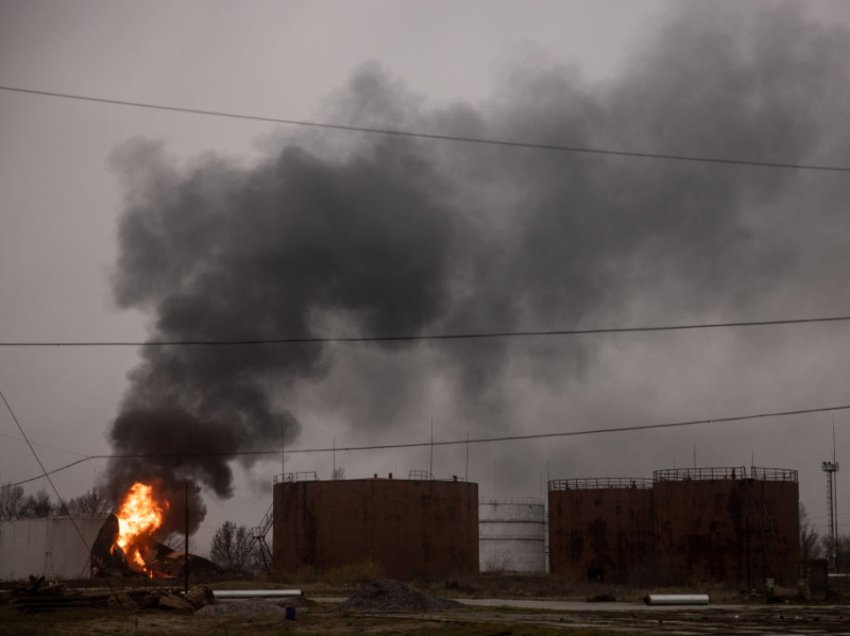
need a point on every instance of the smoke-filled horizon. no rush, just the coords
(370, 235)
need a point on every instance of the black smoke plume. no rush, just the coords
(378, 235)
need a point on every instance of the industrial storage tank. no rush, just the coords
(512, 535)
(732, 525)
(601, 529)
(404, 526)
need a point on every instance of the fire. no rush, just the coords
(140, 515)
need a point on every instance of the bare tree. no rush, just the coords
(90, 504)
(37, 505)
(338, 473)
(232, 547)
(810, 540)
(11, 502)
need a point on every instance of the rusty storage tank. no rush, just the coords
(730, 525)
(512, 535)
(601, 529)
(404, 526)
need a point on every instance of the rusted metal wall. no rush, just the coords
(601, 529)
(407, 527)
(732, 529)
(730, 525)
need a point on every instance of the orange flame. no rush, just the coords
(139, 517)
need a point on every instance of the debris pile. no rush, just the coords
(387, 595)
(107, 559)
(36, 597)
(39, 596)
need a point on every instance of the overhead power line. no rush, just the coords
(230, 342)
(55, 448)
(455, 442)
(434, 136)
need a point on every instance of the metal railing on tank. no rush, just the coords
(304, 475)
(598, 483)
(511, 500)
(725, 473)
(424, 475)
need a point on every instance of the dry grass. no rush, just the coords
(543, 586)
(103, 621)
(350, 574)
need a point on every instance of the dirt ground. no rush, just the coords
(731, 612)
(475, 622)
(79, 623)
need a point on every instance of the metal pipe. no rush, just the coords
(186, 554)
(221, 595)
(676, 599)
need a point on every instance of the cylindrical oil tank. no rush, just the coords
(732, 525)
(512, 535)
(404, 527)
(601, 529)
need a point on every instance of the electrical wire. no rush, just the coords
(413, 337)
(433, 136)
(62, 468)
(56, 448)
(456, 442)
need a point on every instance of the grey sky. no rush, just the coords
(60, 201)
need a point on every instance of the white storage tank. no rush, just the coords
(48, 546)
(512, 535)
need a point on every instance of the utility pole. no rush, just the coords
(466, 471)
(830, 468)
(282, 452)
(431, 457)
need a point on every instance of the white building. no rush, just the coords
(48, 546)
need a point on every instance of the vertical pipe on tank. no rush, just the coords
(186, 511)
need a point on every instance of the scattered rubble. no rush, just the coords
(387, 595)
(36, 596)
(39, 596)
(176, 603)
(170, 564)
(121, 600)
(200, 595)
(252, 607)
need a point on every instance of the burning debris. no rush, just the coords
(139, 517)
(127, 543)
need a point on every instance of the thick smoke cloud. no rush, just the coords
(374, 235)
